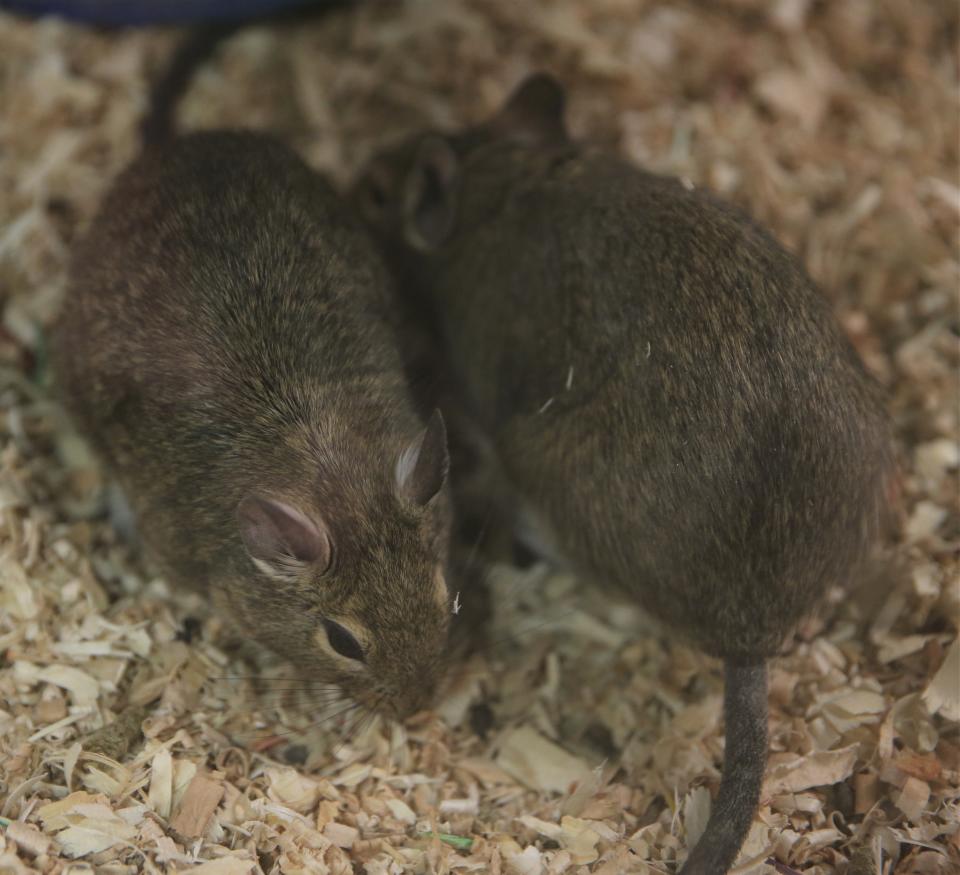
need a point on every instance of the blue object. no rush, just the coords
(137, 12)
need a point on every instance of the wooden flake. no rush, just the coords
(342, 835)
(28, 838)
(819, 769)
(912, 798)
(197, 806)
(540, 763)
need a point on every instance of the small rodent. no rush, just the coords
(228, 345)
(668, 393)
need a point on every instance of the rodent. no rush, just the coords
(228, 345)
(666, 390)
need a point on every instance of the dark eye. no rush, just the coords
(343, 642)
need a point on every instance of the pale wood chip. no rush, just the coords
(342, 835)
(539, 763)
(160, 794)
(197, 806)
(221, 866)
(27, 837)
(913, 797)
(818, 769)
(943, 693)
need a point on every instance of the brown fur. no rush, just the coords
(228, 332)
(666, 389)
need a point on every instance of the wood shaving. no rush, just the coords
(538, 763)
(196, 807)
(586, 739)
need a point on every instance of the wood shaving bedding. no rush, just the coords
(135, 735)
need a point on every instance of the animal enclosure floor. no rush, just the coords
(585, 739)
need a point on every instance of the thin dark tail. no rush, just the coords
(159, 125)
(744, 762)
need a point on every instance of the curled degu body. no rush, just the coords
(667, 392)
(228, 346)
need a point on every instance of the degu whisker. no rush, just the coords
(300, 730)
(292, 695)
(356, 727)
(306, 705)
(269, 679)
(311, 691)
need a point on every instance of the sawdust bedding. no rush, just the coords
(586, 739)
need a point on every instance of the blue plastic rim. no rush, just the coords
(138, 12)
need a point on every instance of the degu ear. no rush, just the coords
(533, 113)
(430, 194)
(280, 537)
(422, 467)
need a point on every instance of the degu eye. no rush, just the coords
(343, 641)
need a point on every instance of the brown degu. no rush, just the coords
(228, 346)
(668, 394)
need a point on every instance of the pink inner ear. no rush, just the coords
(273, 531)
(422, 467)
